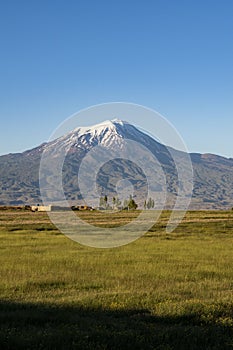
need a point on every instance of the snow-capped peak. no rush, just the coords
(107, 124)
(105, 133)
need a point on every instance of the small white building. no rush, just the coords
(41, 207)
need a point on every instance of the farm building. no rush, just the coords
(41, 207)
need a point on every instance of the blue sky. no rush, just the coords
(58, 57)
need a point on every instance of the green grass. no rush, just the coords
(163, 291)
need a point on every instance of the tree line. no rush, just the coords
(128, 204)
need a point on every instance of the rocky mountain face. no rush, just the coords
(213, 175)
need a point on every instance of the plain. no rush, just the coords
(163, 291)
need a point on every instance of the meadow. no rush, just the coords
(163, 291)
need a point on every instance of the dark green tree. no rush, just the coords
(150, 203)
(130, 203)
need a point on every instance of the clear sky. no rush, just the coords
(59, 56)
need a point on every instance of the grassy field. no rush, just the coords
(163, 291)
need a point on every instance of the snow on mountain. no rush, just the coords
(107, 133)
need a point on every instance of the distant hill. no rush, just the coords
(19, 173)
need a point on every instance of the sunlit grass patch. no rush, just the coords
(163, 291)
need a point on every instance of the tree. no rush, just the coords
(153, 204)
(130, 203)
(150, 203)
(125, 204)
(103, 202)
(116, 203)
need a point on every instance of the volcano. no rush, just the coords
(212, 174)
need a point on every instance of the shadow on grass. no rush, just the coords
(36, 326)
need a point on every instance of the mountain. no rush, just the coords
(19, 173)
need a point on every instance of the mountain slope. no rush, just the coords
(213, 181)
(19, 180)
